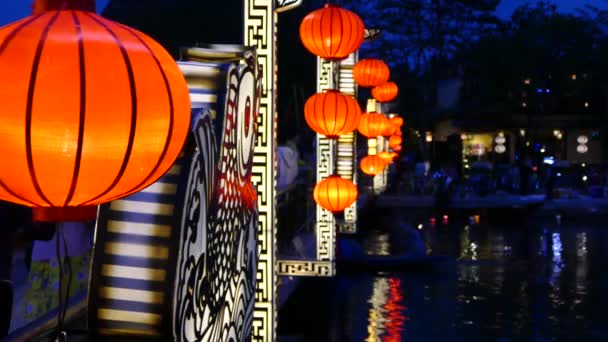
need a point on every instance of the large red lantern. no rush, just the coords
(335, 193)
(91, 111)
(372, 125)
(394, 140)
(332, 113)
(371, 72)
(332, 32)
(385, 92)
(372, 165)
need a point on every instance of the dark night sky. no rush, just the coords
(11, 10)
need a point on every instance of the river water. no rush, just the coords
(537, 282)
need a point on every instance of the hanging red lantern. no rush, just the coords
(397, 120)
(91, 111)
(387, 157)
(390, 129)
(335, 193)
(372, 165)
(371, 72)
(396, 148)
(332, 32)
(394, 140)
(385, 92)
(332, 113)
(372, 125)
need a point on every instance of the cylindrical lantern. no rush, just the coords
(582, 139)
(372, 165)
(332, 32)
(385, 92)
(371, 72)
(92, 110)
(332, 113)
(372, 125)
(394, 140)
(500, 149)
(335, 193)
(582, 149)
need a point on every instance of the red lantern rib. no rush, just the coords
(133, 92)
(163, 153)
(29, 105)
(82, 111)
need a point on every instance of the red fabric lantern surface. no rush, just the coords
(91, 111)
(394, 140)
(385, 92)
(332, 113)
(331, 32)
(371, 72)
(372, 165)
(372, 125)
(335, 193)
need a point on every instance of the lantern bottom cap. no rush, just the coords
(64, 214)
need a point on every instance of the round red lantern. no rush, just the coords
(91, 110)
(371, 72)
(397, 120)
(372, 125)
(372, 165)
(335, 193)
(390, 129)
(332, 113)
(385, 92)
(332, 32)
(396, 148)
(394, 140)
(386, 156)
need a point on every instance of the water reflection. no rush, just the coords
(386, 315)
(537, 283)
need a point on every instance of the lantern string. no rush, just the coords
(63, 263)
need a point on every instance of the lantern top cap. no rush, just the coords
(40, 6)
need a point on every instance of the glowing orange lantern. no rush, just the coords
(335, 193)
(372, 165)
(371, 72)
(390, 129)
(397, 120)
(332, 113)
(91, 111)
(332, 32)
(386, 156)
(372, 125)
(394, 140)
(396, 148)
(385, 92)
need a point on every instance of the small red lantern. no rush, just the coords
(371, 72)
(386, 156)
(335, 193)
(396, 148)
(397, 120)
(390, 129)
(372, 125)
(386, 92)
(331, 32)
(394, 140)
(91, 110)
(372, 165)
(332, 113)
